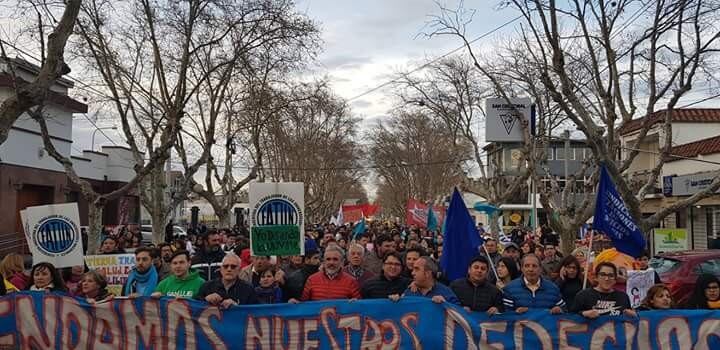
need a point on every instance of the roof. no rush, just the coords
(687, 115)
(694, 149)
(57, 98)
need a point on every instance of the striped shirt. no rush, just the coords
(320, 287)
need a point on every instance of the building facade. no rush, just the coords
(29, 176)
(693, 164)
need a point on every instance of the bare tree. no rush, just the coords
(314, 141)
(453, 91)
(415, 156)
(32, 94)
(605, 63)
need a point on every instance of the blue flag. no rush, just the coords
(461, 239)
(359, 229)
(613, 218)
(432, 221)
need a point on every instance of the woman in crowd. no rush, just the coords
(45, 277)
(268, 291)
(12, 269)
(72, 276)
(527, 247)
(93, 287)
(657, 298)
(507, 271)
(570, 279)
(706, 294)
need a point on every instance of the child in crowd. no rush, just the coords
(268, 292)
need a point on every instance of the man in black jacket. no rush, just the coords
(207, 260)
(475, 292)
(295, 282)
(229, 289)
(390, 282)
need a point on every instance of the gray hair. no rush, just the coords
(231, 256)
(522, 261)
(335, 248)
(356, 246)
(431, 265)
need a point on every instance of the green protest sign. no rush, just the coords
(279, 240)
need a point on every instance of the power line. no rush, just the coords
(435, 60)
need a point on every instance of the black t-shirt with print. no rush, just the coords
(608, 304)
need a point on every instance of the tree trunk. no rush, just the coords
(567, 240)
(494, 224)
(158, 227)
(223, 218)
(95, 214)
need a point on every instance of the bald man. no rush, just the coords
(228, 290)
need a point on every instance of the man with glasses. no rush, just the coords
(229, 289)
(603, 299)
(331, 282)
(390, 282)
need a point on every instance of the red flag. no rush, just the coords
(355, 213)
(416, 213)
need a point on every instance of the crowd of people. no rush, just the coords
(388, 261)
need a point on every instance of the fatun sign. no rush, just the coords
(53, 234)
(277, 218)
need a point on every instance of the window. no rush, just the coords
(711, 266)
(559, 153)
(549, 153)
(663, 265)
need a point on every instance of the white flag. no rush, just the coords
(340, 220)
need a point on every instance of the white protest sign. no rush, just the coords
(277, 218)
(638, 283)
(53, 234)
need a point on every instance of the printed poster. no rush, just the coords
(53, 234)
(277, 212)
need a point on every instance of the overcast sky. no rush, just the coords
(365, 43)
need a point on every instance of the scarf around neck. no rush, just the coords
(141, 283)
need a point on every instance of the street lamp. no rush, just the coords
(96, 130)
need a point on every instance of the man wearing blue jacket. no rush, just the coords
(531, 290)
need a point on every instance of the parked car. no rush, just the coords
(146, 231)
(680, 270)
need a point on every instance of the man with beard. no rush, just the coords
(143, 278)
(295, 282)
(161, 266)
(166, 252)
(373, 261)
(209, 258)
(331, 282)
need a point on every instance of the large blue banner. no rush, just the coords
(46, 321)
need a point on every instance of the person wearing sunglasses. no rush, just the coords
(229, 289)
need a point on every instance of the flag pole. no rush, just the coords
(587, 258)
(490, 260)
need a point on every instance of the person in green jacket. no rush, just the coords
(183, 282)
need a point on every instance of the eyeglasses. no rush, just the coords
(393, 264)
(230, 267)
(608, 276)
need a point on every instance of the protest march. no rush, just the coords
(370, 284)
(319, 174)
